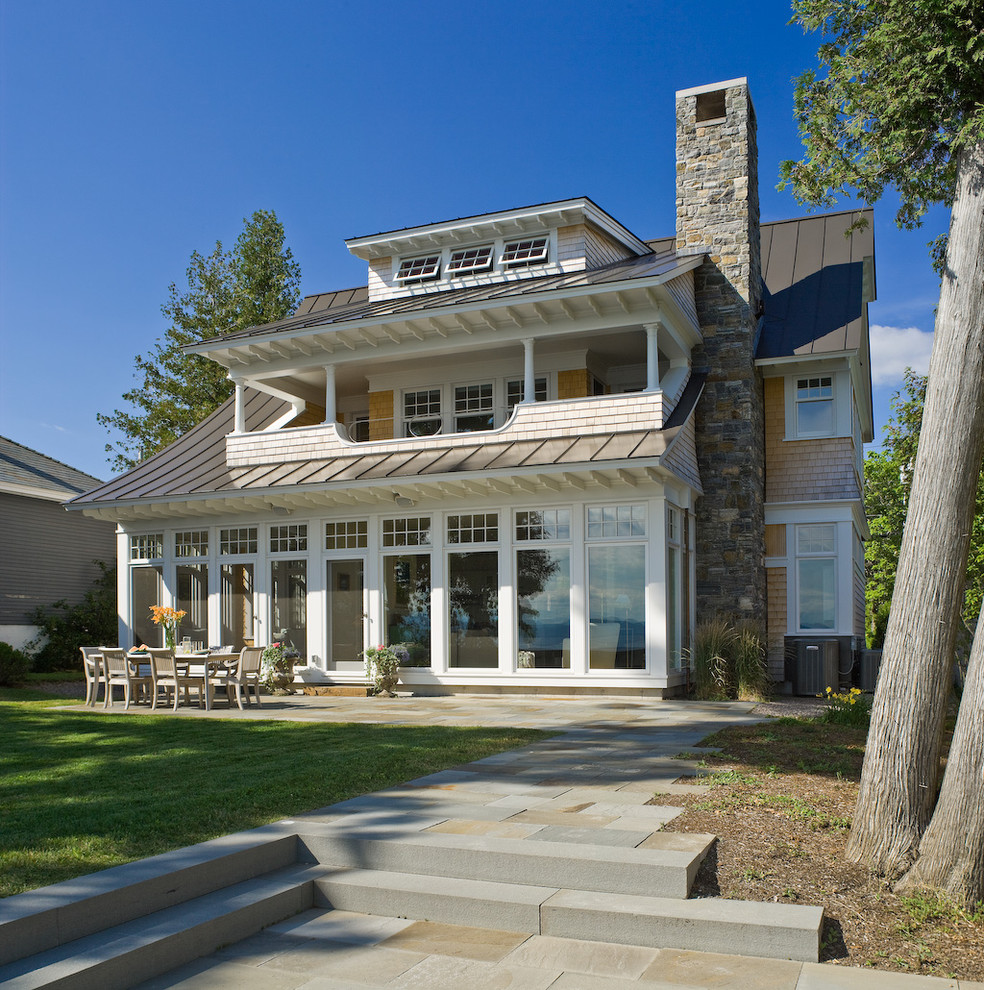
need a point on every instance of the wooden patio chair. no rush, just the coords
(166, 673)
(241, 674)
(121, 670)
(95, 674)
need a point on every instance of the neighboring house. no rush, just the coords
(534, 447)
(46, 553)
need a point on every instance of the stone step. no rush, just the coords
(775, 931)
(585, 865)
(120, 956)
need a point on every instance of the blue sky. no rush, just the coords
(132, 134)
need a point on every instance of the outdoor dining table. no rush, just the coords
(196, 664)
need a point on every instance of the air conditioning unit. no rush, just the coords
(816, 666)
(870, 663)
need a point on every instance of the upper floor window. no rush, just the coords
(473, 408)
(543, 524)
(526, 252)
(516, 389)
(414, 532)
(288, 539)
(422, 412)
(421, 269)
(191, 544)
(468, 261)
(815, 406)
(352, 535)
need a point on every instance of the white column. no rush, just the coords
(330, 414)
(652, 357)
(529, 381)
(240, 426)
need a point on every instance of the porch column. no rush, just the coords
(330, 413)
(529, 381)
(240, 426)
(652, 357)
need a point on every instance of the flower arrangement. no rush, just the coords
(383, 666)
(162, 615)
(277, 666)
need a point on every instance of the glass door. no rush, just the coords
(237, 605)
(346, 614)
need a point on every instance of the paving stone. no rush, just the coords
(483, 944)
(818, 977)
(212, 974)
(261, 948)
(590, 836)
(504, 830)
(583, 981)
(447, 973)
(597, 958)
(360, 964)
(534, 816)
(339, 926)
(679, 967)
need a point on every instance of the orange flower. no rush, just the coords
(161, 615)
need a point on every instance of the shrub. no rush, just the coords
(64, 628)
(13, 665)
(729, 661)
(750, 663)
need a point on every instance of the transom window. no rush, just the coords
(353, 535)
(288, 539)
(816, 538)
(413, 532)
(543, 524)
(191, 544)
(468, 260)
(475, 528)
(605, 521)
(239, 540)
(148, 547)
(419, 269)
(815, 406)
(521, 254)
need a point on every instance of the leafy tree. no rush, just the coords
(887, 480)
(63, 628)
(902, 104)
(257, 282)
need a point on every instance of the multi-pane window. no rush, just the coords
(522, 253)
(288, 539)
(193, 543)
(422, 412)
(516, 389)
(816, 572)
(419, 269)
(352, 535)
(479, 527)
(241, 539)
(467, 261)
(606, 521)
(414, 532)
(473, 407)
(147, 547)
(543, 524)
(815, 406)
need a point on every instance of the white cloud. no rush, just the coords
(893, 349)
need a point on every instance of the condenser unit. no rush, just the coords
(816, 666)
(870, 662)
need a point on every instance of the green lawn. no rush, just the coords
(83, 792)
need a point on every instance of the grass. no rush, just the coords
(81, 792)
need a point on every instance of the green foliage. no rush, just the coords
(887, 479)
(65, 812)
(63, 628)
(729, 661)
(852, 708)
(902, 93)
(257, 282)
(14, 665)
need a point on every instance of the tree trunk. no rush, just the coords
(951, 854)
(902, 759)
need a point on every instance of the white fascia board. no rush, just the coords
(816, 511)
(789, 363)
(544, 216)
(666, 304)
(45, 494)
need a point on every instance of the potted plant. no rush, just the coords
(383, 667)
(526, 658)
(169, 618)
(277, 668)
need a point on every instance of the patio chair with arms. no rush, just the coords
(95, 674)
(242, 673)
(121, 670)
(166, 673)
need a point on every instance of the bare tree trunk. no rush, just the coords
(951, 854)
(902, 759)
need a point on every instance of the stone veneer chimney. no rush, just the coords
(718, 215)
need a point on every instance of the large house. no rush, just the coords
(535, 448)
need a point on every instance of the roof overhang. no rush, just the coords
(506, 223)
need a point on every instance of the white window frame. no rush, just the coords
(800, 555)
(799, 402)
(482, 258)
(416, 268)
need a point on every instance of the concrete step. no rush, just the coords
(775, 931)
(665, 872)
(120, 956)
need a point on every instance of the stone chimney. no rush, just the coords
(718, 215)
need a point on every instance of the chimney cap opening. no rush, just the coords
(711, 106)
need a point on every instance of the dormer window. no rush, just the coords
(522, 254)
(420, 269)
(468, 261)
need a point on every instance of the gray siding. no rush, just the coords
(46, 554)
